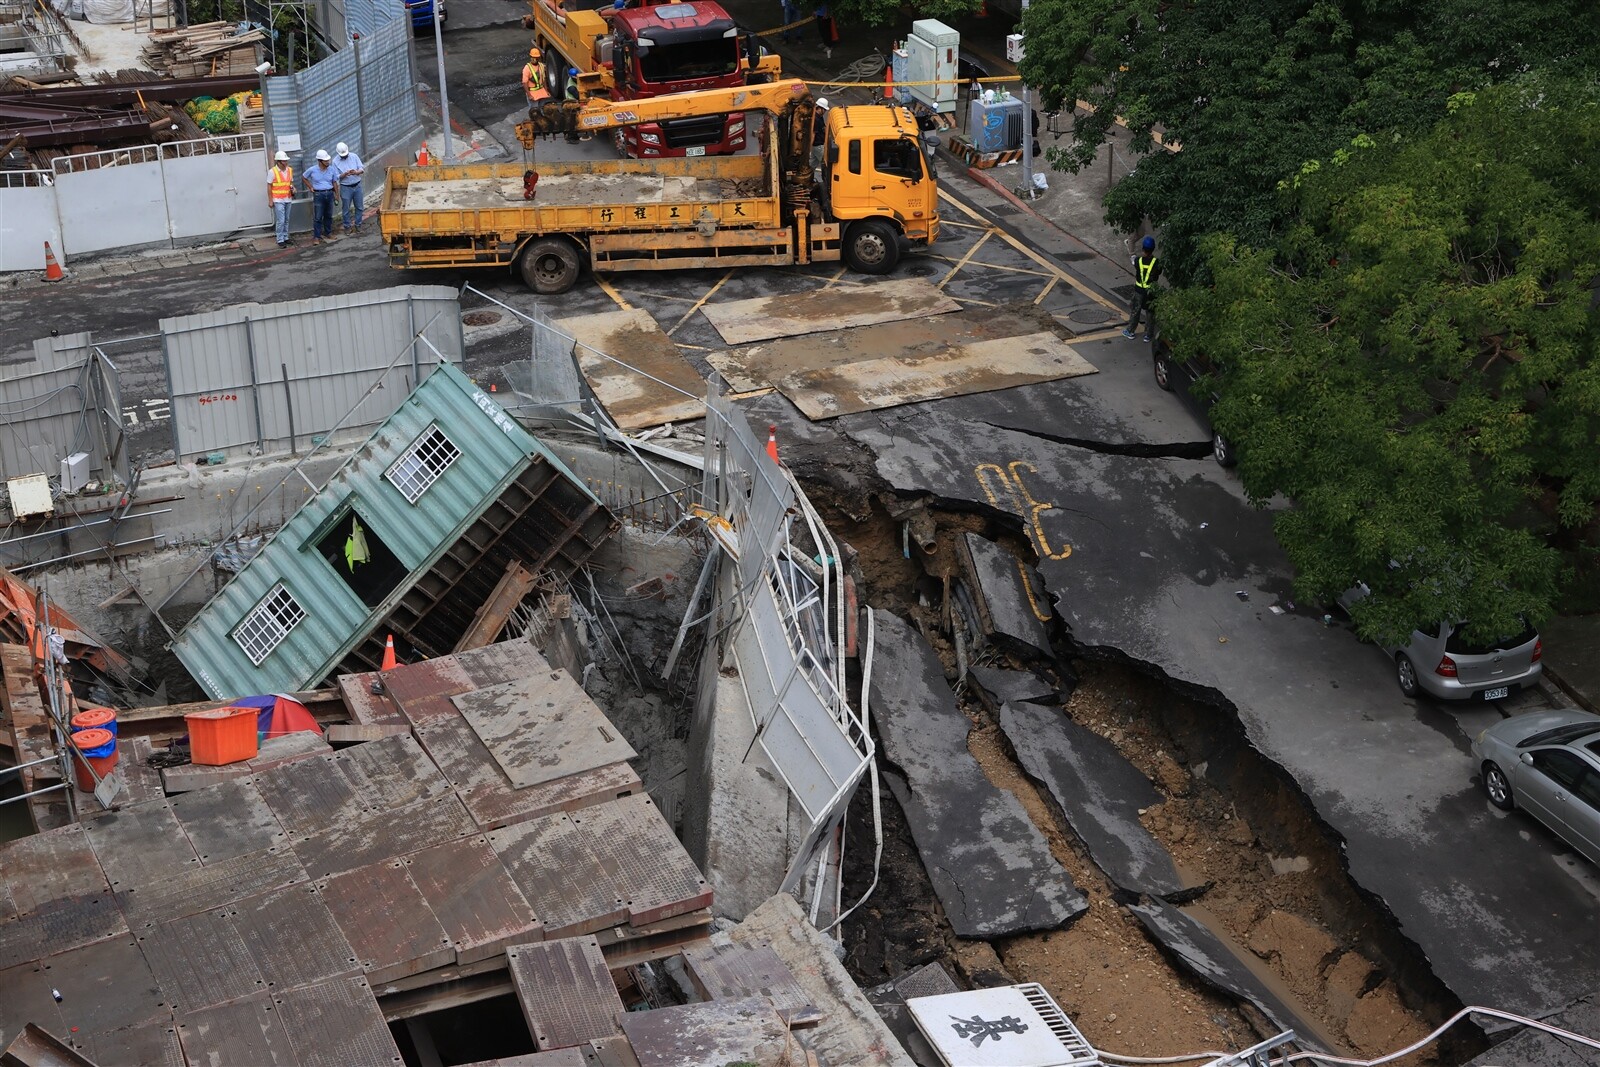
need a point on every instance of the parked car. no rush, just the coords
(1547, 764)
(422, 15)
(1180, 376)
(1440, 662)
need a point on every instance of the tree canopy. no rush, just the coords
(1413, 362)
(1253, 88)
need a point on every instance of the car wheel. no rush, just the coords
(1163, 373)
(1405, 673)
(872, 247)
(1222, 449)
(1498, 788)
(549, 266)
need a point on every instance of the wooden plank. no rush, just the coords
(387, 921)
(473, 898)
(566, 992)
(201, 960)
(195, 776)
(762, 318)
(293, 939)
(227, 820)
(326, 700)
(645, 381)
(543, 727)
(356, 733)
(491, 616)
(337, 1024)
(249, 1031)
(141, 845)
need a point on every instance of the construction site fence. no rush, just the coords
(363, 95)
(65, 400)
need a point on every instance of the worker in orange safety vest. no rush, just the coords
(533, 77)
(280, 191)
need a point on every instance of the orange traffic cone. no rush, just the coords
(888, 82)
(52, 269)
(422, 156)
(388, 655)
(772, 442)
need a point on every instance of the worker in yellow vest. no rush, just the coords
(1145, 272)
(533, 78)
(280, 191)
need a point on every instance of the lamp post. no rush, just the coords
(444, 91)
(1027, 133)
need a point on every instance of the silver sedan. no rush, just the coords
(1547, 764)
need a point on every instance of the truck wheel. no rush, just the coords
(549, 266)
(872, 247)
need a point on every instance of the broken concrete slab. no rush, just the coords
(741, 322)
(1534, 1048)
(1099, 792)
(989, 864)
(996, 687)
(1211, 960)
(1013, 601)
(635, 369)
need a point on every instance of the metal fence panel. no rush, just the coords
(271, 375)
(27, 220)
(112, 206)
(217, 193)
(63, 400)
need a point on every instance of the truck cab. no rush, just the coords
(677, 48)
(876, 179)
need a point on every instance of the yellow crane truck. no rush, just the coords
(875, 195)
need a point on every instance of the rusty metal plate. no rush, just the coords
(569, 889)
(655, 876)
(227, 820)
(473, 897)
(141, 845)
(58, 925)
(366, 707)
(293, 939)
(152, 1044)
(337, 1024)
(496, 805)
(423, 690)
(713, 1034)
(200, 960)
(613, 1052)
(391, 772)
(499, 662)
(309, 796)
(542, 727)
(105, 986)
(25, 998)
(140, 781)
(249, 1031)
(732, 972)
(387, 921)
(741, 322)
(565, 990)
(49, 866)
(214, 885)
(288, 748)
(653, 385)
(380, 834)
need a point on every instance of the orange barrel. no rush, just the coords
(222, 736)
(99, 749)
(95, 719)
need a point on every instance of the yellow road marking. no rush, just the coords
(1031, 254)
(970, 253)
(607, 288)
(1000, 266)
(698, 304)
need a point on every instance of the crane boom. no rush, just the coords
(597, 113)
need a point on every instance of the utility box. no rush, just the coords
(932, 53)
(1013, 48)
(75, 472)
(996, 125)
(30, 496)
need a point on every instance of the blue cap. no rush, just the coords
(572, 72)
(1148, 244)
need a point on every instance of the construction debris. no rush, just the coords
(209, 50)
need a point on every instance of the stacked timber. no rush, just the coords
(211, 49)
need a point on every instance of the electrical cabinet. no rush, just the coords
(932, 53)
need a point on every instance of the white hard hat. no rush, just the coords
(282, 156)
(322, 153)
(822, 103)
(343, 149)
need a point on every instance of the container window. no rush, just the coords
(422, 464)
(268, 623)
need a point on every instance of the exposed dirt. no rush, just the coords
(1277, 886)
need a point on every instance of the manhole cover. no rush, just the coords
(1089, 314)
(480, 318)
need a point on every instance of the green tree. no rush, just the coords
(1251, 88)
(1414, 366)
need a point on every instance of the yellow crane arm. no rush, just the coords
(778, 97)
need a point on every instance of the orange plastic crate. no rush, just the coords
(223, 736)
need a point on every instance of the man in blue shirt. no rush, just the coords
(349, 167)
(321, 180)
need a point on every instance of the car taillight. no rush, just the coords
(1538, 649)
(1446, 667)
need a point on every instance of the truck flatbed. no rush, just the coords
(560, 190)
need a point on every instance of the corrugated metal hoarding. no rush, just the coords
(270, 376)
(65, 399)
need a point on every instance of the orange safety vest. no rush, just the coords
(533, 81)
(282, 183)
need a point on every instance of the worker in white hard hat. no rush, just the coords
(533, 77)
(321, 180)
(819, 133)
(280, 192)
(349, 168)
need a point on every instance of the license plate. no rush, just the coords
(1497, 694)
(696, 150)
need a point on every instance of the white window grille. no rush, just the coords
(422, 464)
(268, 623)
